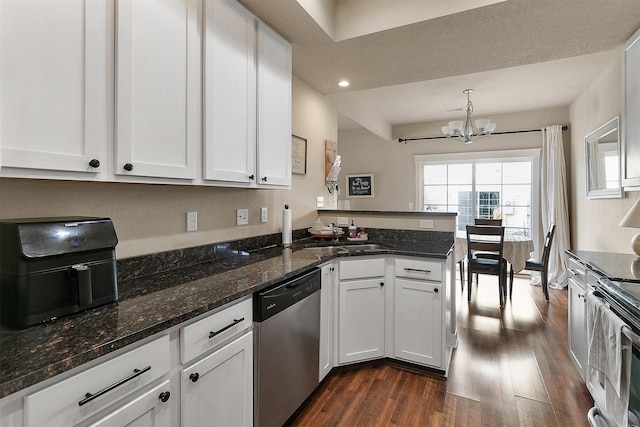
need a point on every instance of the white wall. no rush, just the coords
(392, 163)
(152, 218)
(594, 222)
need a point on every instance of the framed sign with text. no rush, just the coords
(298, 155)
(360, 185)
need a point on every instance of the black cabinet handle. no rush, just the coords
(88, 397)
(94, 163)
(381, 283)
(128, 167)
(252, 177)
(417, 270)
(194, 377)
(164, 396)
(231, 325)
(264, 179)
(436, 290)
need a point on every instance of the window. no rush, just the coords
(481, 185)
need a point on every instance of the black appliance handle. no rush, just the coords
(82, 274)
(230, 325)
(136, 373)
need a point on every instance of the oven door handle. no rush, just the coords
(628, 332)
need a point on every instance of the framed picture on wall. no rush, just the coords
(360, 185)
(298, 155)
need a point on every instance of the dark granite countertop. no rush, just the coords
(154, 303)
(617, 266)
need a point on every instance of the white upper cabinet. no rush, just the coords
(247, 99)
(55, 83)
(630, 150)
(274, 108)
(229, 79)
(157, 88)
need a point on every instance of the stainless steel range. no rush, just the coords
(623, 298)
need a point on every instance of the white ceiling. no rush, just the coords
(518, 55)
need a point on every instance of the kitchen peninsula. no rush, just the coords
(153, 302)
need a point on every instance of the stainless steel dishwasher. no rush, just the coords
(287, 340)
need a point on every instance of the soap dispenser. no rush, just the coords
(353, 231)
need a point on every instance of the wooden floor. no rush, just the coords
(511, 368)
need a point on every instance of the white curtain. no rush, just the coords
(554, 204)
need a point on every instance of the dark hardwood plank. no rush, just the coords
(511, 368)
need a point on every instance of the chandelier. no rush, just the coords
(464, 131)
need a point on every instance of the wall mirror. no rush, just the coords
(602, 148)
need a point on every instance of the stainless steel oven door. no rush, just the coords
(602, 415)
(634, 388)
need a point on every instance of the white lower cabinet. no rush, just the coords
(147, 410)
(106, 389)
(361, 324)
(418, 322)
(581, 281)
(418, 311)
(326, 320)
(218, 390)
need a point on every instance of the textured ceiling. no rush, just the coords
(491, 49)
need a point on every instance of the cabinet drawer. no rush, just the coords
(203, 335)
(63, 404)
(577, 270)
(361, 268)
(419, 269)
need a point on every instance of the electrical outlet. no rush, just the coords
(192, 221)
(426, 223)
(242, 216)
(320, 202)
(343, 221)
(263, 214)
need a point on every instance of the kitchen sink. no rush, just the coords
(363, 248)
(325, 250)
(332, 250)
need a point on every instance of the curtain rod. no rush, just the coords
(564, 127)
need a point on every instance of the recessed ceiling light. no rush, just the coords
(343, 83)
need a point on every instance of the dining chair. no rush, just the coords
(489, 240)
(541, 265)
(487, 221)
(493, 223)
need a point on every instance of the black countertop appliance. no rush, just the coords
(50, 267)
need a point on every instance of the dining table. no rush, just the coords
(516, 251)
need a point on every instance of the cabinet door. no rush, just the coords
(326, 320)
(157, 88)
(418, 322)
(54, 84)
(630, 112)
(148, 410)
(361, 321)
(229, 80)
(218, 390)
(274, 108)
(578, 326)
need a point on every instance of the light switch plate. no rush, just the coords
(192, 221)
(242, 216)
(426, 223)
